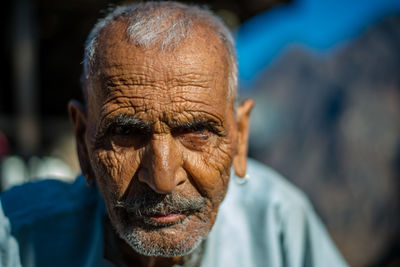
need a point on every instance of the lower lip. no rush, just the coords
(170, 218)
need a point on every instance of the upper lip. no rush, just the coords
(153, 208)
(164, 213)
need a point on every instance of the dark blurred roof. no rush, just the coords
(62, 27)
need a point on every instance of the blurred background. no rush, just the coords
(325, 75)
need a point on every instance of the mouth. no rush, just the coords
(156, 211)
(161, 220)
(167, 219)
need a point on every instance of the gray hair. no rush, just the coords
(164, 23)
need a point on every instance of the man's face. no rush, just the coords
(160, 137)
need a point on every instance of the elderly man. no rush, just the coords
(156, 139)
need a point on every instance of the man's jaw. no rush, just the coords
(162, 226)
(158, 237)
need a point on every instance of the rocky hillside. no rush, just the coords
(331, 124)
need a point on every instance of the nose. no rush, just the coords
(160, 165)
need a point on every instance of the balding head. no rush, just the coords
(159, 135)
(162, 25)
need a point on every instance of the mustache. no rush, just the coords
(149, 204)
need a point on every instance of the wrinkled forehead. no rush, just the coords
(201, 56)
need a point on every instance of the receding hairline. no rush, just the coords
(140, 26)
(201, 41)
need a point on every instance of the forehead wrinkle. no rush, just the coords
(142, 98)
(201, 33)
(117, 102)
(139, 63)
(141, 95)
(171, 78)
(193, 100)
(175, 105)
(137, 81)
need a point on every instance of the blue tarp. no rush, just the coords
(317, 24)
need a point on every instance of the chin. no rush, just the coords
(177, 239)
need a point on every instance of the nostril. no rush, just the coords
(181, 182)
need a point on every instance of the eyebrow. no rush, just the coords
(146, 127)
(197, 124)
(127, 120)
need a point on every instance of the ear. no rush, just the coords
(77, 114)
(243, 122)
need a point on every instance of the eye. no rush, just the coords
(195, 139)
(203, 133)
(127, 136)
(122, 130)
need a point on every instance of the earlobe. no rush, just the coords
(243, 123)
(77, 115)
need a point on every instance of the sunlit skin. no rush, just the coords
(161, 122)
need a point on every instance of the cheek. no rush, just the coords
(115, 169)
(210, 170)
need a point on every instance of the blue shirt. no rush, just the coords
(265, 222)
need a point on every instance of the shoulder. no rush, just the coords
(41, 200)
(268, 188)
(271, 220)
